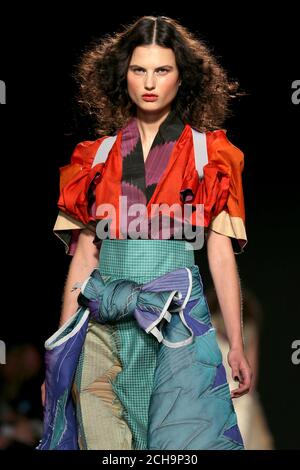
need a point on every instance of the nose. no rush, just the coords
(149, 82)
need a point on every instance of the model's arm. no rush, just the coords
(225, 276)
(85, 259)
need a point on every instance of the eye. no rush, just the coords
(138, 70)
(162, 70)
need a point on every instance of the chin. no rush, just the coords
(149, 106)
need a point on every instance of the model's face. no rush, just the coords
(152, 70)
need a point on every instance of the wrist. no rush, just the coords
(236, 346)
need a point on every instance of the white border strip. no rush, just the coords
(104, 149)
(51, 344)
(200, 151)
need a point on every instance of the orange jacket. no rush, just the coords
(220, 190)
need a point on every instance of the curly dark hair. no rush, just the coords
(201, 101)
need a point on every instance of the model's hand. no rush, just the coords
(241, 371)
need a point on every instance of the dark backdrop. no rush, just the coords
(39, 128)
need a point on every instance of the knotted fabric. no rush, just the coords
(148, 303)
(151, 304)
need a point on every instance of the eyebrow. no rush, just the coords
(160, 67)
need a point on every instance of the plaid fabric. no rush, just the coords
(127, 346)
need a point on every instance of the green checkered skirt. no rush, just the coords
(114, 376)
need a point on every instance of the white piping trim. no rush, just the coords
(163, 312)
(189, 340)
(188, 295)
(179, 344)
(157, 334)
(167, 316)
(51, 344)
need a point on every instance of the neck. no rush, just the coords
(149, 123)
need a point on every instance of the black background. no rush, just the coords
(39, 129)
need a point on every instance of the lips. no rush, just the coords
(150, 97)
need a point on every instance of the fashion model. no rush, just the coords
(135, 363)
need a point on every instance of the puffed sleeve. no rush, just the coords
(230, 220)
(76, 201)
(220, 190)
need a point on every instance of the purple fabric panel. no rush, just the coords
(234, 434)
(157, 162)
(197, 327)
(220, 378)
